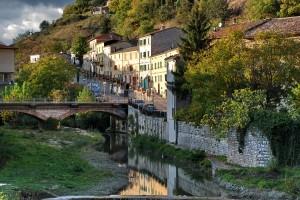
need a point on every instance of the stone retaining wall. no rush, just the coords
(192, 137)
(255, 152)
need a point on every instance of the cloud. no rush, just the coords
(18, 16)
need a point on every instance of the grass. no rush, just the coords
(33, 161)
(285, 179)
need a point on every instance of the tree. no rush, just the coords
(50, 73)
(269, 64)
(196, 38)
(85, 96)
(44, 25)
(183, 10)
(261, 9)
(104, 25)
(215, 9)
(79, 48)
(289, 8)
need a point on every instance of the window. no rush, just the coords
(141, 54)
(155, 78)
(154, 65)
(144, 55)
(160, 64)
(141, 42)
(148, 40)
(144, 41)
(148, 54)
(151, 66)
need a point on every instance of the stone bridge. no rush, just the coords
(60, 111)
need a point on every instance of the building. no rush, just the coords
(94, 59)
(113, 65)
(158, 71)
(153, 44)
(126, 65)
(34, 58)
(7, 64)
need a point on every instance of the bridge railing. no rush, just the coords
(102, 99)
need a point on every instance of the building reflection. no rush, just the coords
(144, 184)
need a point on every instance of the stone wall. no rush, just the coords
(192, 137)
(255, 152)
(147, 125)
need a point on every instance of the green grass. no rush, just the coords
(33, 163)
(285, 179)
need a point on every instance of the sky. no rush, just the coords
(18, 16)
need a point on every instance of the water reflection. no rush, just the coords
(141, 183)
(148, 177)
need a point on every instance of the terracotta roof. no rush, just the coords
(2, 46)
(106, 37)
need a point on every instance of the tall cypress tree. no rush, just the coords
(196, 34)
(194, 41)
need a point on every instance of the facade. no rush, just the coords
(151, 45)
(158, 71)
(126, 66)
(94, 59)
(7, 64)
(111, 69)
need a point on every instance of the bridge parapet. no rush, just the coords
(60, 110)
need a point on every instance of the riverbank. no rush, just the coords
(59, 162)
(283, 183)
(236, 182)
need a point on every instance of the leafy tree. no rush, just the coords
(289, 8)
(235, 111)
(261, 9)
(70, 10)
(44, 25)
(50, 73)
(183, 10)
(15, 93)
(272, 65)
(58, 95)
(214, 9)
(79, 48)
(268, 64)
(85, 96)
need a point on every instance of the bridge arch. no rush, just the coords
(60, 111)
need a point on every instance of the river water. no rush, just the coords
(148, 176)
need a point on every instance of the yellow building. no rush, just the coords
(158, 71)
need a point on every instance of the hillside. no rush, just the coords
(125, 20)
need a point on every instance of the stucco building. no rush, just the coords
(7, 64)
(154, 44)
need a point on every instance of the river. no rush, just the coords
(148, 176)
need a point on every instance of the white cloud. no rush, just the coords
(25, 17)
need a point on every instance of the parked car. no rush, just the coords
(149, 108)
